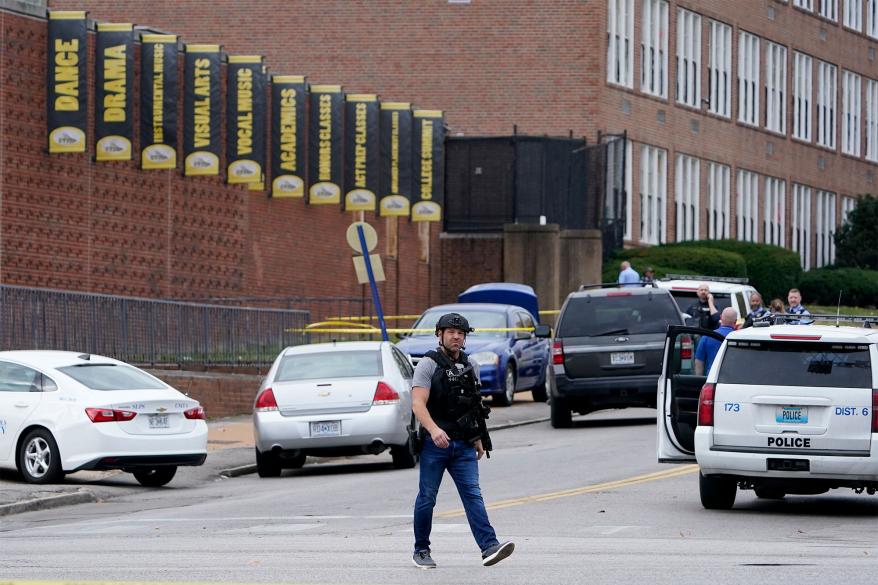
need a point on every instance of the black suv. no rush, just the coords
(607, 351)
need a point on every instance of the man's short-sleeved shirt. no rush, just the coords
(629, 276)
(708, 347)
(427, 367)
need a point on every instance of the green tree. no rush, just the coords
(855, 241)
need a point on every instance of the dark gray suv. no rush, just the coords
(607, 351)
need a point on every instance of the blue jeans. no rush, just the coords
(459, 458)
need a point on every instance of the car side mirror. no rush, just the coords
(543, 331)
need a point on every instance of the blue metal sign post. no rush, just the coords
(375, 298)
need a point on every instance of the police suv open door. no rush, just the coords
(678, 390)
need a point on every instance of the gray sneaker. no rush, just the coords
(423, 560)
(494, 554)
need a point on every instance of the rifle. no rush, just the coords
(476, 417)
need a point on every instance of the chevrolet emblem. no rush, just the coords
(325, 393)
(161, 409)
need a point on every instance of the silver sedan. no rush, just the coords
(333, 399)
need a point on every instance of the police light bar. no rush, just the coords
(616, 285)
(730, 279)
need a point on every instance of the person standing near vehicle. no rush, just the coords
(794, 297)
(704, 309)
(708, 347)
(627, 275)
(648, 276)
(443, 383)
(757, 310)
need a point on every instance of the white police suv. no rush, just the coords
(783, 409)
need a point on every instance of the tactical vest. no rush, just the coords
(451, 390)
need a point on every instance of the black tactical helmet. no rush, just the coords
(455, 320)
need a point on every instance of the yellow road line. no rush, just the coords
(685, 470)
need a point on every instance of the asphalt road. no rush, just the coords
(584, 505)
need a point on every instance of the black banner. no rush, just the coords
(202, 118)
(396, 159)
(361, 152)
(114, 76)
(324, 161)
(429, 146)
(67, 92)
(245, 129)
(289, 95)
(158, 102)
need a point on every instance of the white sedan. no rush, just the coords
(334, 399)
(62, 412)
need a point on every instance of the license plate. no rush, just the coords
(158, 421)
(622, 358)
(326, 428)
(792, 414)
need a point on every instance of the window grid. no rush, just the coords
(872, 18)
(653, 194)
(872, 120)
(688, 189)
(825, 232)
(620, 31)
(776, 88)
(718, 204)
(688, 58)
(801, 224)
(654, 48)
(775, 211)
(853, 14)
(827, 88)
(851, 135)
(847, 205)
(806, 4)
(720, 64)
(802, 90)
(829, 9)
(748, 78)
(748, 206)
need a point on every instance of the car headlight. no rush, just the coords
(486, 358)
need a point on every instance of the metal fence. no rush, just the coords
(145, 331)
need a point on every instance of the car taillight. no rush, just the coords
(265, 402)
(384, 394)
(875, 411)
(98, 415)
(196, 413)
(686, 347)
(558, 353)
(705, 405)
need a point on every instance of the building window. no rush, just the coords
(775, 211)
(748, 79)
(806, 4)
(629, 196)
(853, 14)
(776, 88)
(872, 120)
(829, 9)
(825, 232)
(827, 87)
(620, 31)
(872, 18)
(851, 86)
(720, 69)
(653, 194)
(802, 89)
(718, 200)
(688, 189)
(654, 48)
(801, 224)
(847, 205)
(688, 58)
(748, 206)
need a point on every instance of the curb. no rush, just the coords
(48, 502)
(248, 469)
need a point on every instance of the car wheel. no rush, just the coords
(155, 476)
(38, 458)
(561, 416)
(267, 464)
(717, 493)
(767, 493)
(540, 393)
(506, 397)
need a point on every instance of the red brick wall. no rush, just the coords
(68, 222)
(468, 260)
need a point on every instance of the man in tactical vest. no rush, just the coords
(446, 399)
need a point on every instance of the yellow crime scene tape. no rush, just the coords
(355, 325)
(398, 317)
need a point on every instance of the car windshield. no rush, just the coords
(477, 320)
(329, 364)
(112, 377)
(796, 364)
(685, 299)
(618, 315)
